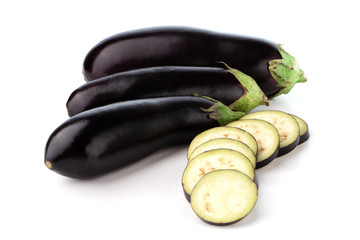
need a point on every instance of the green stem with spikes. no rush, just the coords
(286, 72)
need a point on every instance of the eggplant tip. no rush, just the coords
(48, 164)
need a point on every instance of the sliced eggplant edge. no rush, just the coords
(289, 148)
(203, 137)
(304, 129)
(206, 155)
(225, 143)
(269, 159)
(245, 123)
(256, 181)
(283, 149)
(203, 195)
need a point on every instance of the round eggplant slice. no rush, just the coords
(286, 125)
(223, 132)
(223, 197)
(304, 129)
(226, 143)
(213, 160)
(267, 138)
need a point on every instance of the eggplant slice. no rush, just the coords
(267, 138)
(213, 160)
(304, 129)
(223, 197)
(223, 132)
(286, 125)
(226, 143)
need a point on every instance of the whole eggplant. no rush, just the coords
(106, 138)
(273, 69)
(217, 83)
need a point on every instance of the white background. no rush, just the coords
(312, 192)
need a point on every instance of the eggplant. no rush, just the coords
(217, 83)
(266, 135)
(106, 138)
(304, 129)
(286, 124)
(225, 143)
(224, 197)
(275, 71)
(223, 132)
(211, 161)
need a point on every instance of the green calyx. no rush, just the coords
(222, 113)
(286, 72)
(253, 95)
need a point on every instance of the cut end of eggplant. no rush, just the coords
(223, 197)
(226, 143)
(286, 125)
(223, 132)
(267, 138)
(289, 148)
(305, 137)
(48, 164)
(269, 159)
(214, 160)
(304, 129)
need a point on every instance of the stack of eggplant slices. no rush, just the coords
(152, 88)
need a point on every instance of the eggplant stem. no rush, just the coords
(220, 112)
(253, 95)
(286, 72)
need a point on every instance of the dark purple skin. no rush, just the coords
(304, 137)
(182, 46)
(217, 83)
(106, 138)
(256, 181)
(268, 160)
(289, 148)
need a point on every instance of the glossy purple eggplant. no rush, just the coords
(217, 83)
(106, 138)
(271, 67)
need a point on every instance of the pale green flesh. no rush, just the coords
(214, 160)
(266, 135)
(286, 125)
(223, 132)
(226, 143)
(302, 124)
(224, 196)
